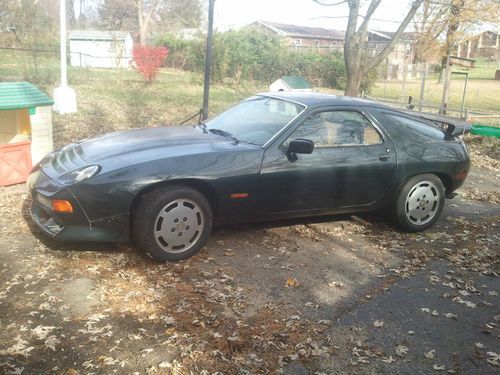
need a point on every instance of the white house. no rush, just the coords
(100, 49)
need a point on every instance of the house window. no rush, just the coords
(298, 42)
(316, 43)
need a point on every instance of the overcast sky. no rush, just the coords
(236, 13)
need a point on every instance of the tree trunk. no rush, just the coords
(355, 43)
(140, 21)
(353, 84)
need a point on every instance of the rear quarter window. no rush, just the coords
(416, 129)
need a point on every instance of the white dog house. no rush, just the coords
(100, 49)
(25, 130)
(290, 83)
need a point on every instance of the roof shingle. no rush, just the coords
(304, 31)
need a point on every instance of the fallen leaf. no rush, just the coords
(292, 282)
(430, 354)
(401, 350)
(335, 284)
(51, 342)
(165, 365)
(494, 359)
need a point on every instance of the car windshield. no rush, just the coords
(255, 120)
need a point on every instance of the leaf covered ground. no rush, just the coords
(343, 294)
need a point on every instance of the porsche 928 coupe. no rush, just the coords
(272, 156)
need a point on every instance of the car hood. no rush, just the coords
(122, 148)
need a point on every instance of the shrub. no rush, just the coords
(148, 60)
(182, 53)
(251, 55)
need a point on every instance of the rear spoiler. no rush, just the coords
(451, 125)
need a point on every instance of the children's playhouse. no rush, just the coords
(25, 130)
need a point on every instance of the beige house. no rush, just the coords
(486, 44)
(400, 61)
(304, 38)
(404, 51)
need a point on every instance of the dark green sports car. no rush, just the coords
(271, 156)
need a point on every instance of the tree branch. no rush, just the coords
(389, 47)
(330, 4)
(371, 9)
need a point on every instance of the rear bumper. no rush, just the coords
(70, 227)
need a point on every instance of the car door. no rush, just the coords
(351, 165)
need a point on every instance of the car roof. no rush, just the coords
(316, 99)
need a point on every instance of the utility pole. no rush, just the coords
(208, 59)
(64, 96)
(446, 86)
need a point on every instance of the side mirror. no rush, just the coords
(299, 146)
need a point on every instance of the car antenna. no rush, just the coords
(192, 117)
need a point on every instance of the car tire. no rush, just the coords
(419, 202)
(172, 223)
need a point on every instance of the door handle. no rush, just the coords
(384, 157)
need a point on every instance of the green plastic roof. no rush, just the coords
(296, 82)
(17, 95)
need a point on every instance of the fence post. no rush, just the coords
(462, 109)
(422, 87)
(446, 87)
(403, 89)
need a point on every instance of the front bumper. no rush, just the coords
(70, 227)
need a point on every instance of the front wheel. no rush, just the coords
(419, 202)
(172, 223)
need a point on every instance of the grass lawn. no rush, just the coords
(483, 69)
(112, 100)
(482, 95)
(483, 92)
(115, 99)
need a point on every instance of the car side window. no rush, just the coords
(416, 129)
(337, 128)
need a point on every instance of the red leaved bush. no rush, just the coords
(148, 60)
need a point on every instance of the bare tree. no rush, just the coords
(146, 17)
(118, 15)
(445, 23)
(356, 38)
(430, 22)
(145, 12)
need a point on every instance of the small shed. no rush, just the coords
(25, 130)
(290, 83)
(100, 49)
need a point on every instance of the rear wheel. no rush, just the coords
(420, 202)
(173, 223)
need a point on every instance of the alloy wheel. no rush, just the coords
(179, 225)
